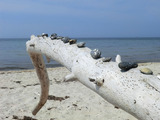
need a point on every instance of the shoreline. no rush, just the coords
(55, 66)
(20, 93)
(30, 68)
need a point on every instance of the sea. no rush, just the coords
(13, 54)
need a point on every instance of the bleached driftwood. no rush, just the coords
(132, 91)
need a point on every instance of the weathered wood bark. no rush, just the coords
(132, 91)
(44, 80)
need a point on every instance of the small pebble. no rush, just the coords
(127, 65)
(53, 36)
(95, 53)
(124, 66)
(59, 37)
(44, 34)
(81, 44)
(108, 59)
(65, 39)
(72, 41)
(134, 65)
(146, 71)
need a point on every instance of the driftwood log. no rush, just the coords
(132, 91)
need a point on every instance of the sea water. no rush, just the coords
(13, 53)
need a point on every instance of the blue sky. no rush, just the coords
(80, 18)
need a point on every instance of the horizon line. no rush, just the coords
(79, 37)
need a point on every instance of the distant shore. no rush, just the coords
(20, 90)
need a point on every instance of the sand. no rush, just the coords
(20, 90)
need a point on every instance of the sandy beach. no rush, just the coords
(20, 91)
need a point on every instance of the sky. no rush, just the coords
(80, 18)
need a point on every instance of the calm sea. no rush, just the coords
(13, 53)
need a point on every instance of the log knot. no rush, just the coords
(98, 81)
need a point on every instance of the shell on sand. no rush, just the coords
(146, 71)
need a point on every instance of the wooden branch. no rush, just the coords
(132, 91)
(38, 62)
